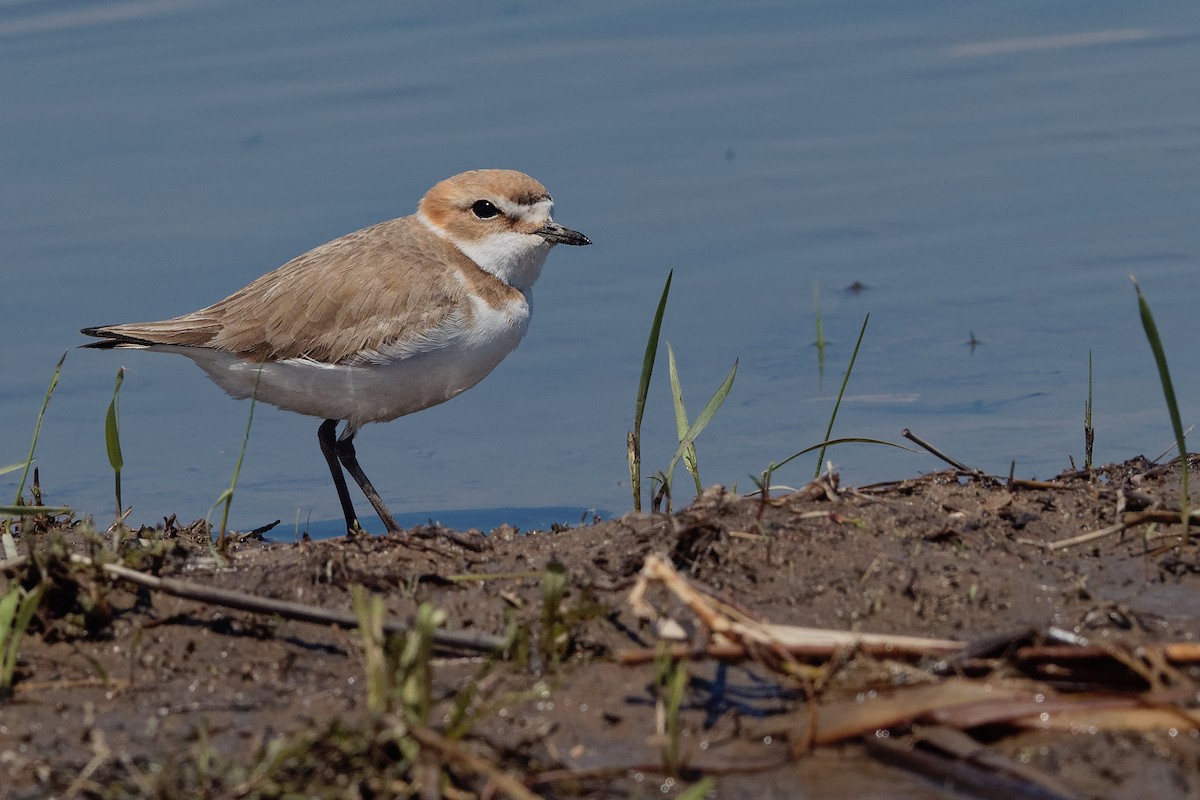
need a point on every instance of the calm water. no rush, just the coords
(996, 170)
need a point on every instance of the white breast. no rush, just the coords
(390, 385)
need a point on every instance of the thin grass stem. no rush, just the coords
(37, 429)
(6, 538)
(764, 481)
(842, 391)
(227, 495)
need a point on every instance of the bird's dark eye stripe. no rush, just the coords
(484, 209)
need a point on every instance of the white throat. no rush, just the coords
(515, 258)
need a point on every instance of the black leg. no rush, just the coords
(346, 454)
(327, 436)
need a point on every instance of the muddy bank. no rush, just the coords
(130, 691)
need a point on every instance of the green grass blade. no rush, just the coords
(10, 638)
(37, 429)
(635, 436)
(845, 380)
(15, 615)
(681, 420)
(704, 417)
(8, 610)
(831, 442)
(651, 353)
(13, 467)
(112, 433)
(1164, 374)
(112, 439)
(227, 495)
(700, 789)
(370, 611)
(237, 469)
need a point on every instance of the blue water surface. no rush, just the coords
(988, 171)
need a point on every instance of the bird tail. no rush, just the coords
(146, 334)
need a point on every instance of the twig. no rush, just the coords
(1172, 652)
(1164, 453)
(965, 776)
(737, 634)
(956, 744)
(1024, 483)
(1083, 537)
(1164, 516)
(458, 640)
(101, 752)
(455, 752)
(467, 541)
(958, 465)
(736, 766)
(815, 650)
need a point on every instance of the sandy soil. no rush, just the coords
(127, 691)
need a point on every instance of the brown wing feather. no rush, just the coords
(379, 286)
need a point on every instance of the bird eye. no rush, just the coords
(484, 209)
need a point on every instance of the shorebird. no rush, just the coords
(378, 323)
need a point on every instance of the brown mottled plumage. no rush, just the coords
(335, 301)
